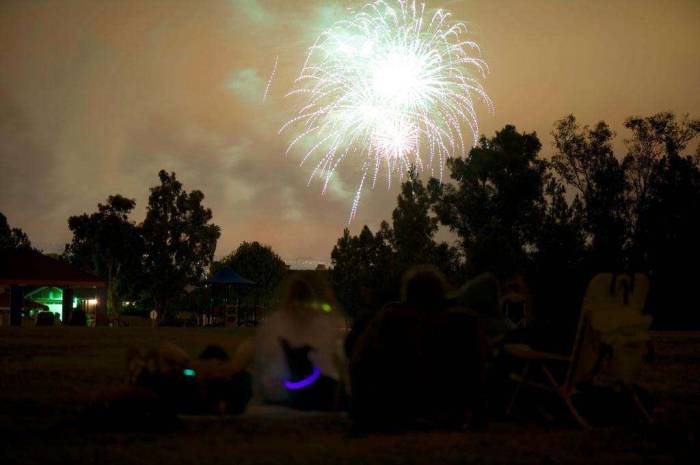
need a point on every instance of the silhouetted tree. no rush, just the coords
(666, 214)
(260, 264)
(655, 139)
(412, 235)
(179, 240)
(12, 238)
(367, 268)
(558, 278)
(584, 158)
(344, 273)
(559, 222)
(413, 227)
(363, 275)
(669, 235)
(108, 244)
(496, 201)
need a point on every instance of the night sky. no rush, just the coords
(97, 96)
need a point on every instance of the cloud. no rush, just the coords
(29, 179)
(253, 11)
(96, 97)
(247, 85)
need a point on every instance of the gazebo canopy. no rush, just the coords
(228, 276)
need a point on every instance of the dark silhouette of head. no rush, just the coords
(214, 352)
(424, 287)
(299, 293)
(300, 365)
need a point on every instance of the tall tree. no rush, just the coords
(558, 277)
(362, 275)
(666, 214)
(12, 238)
(560, 242)
(260, 264)
(585, 160)
(108, 244)
(669, 235)
(654, 141)
(367, 268)
(495, 202)
(344, 276)
(414, 228)
(179, 240)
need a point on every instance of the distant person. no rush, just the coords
(78, 317)
(213, 383)
(419, 361)
(298, 358)
(46, 318)
(482, 296)
(164, 382)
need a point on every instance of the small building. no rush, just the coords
(29, 276)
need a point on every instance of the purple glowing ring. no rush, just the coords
(306, 382)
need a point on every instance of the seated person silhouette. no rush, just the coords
(298, 359)
(419, 362)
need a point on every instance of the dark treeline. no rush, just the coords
(151, 262)
(551, 222)
(554, 221)
(162, 262)
(12, 238)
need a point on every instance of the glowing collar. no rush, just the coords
(306, 382)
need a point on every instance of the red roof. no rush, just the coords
(30, 268)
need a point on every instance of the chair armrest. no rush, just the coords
(525, 352)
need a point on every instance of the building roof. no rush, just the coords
(31, 268)
(228, 276)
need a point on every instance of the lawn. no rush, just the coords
(49, 375)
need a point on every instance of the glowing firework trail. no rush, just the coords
(390, 87)
(269, 81)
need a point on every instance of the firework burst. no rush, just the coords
(391, 87)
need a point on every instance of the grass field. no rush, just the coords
(49, 375)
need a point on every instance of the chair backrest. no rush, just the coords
(625, 332)
(585, 352)
(611, 317)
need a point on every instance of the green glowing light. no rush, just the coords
(326, 307)
(189, 372)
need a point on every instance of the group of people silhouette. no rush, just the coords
(433, 359)
(416, 362)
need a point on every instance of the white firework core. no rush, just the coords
(391, 87)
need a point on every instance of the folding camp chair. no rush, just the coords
(611, 306)
(624, 333)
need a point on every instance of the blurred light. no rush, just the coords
(306, 382)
